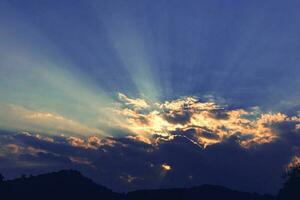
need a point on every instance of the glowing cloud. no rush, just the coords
(166, 167)
(137, 103)
(203, 123)
(92, 142)
(17, 117)
(295, 162)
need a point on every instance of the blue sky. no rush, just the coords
(244, 51)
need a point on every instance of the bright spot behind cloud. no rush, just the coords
(203, 123)
(166, 167)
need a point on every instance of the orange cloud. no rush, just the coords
(209, 122)
(79, 160)
(13, 148)
(166, 167)
(136, 103)
(19, 149)
(92, 142)
(295, 162)
(25, 119)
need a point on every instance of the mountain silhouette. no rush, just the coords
(65, 184)
(205, 192)
(70, 184)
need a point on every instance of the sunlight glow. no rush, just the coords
(202, 123)
(166, 167)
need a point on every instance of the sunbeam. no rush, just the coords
(142, 94)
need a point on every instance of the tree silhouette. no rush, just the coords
(70, 184)
(290, 189)
(1, 178)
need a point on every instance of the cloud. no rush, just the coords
(178, 143)
(140, 138)
(92, 142)
(136, 103)
(18, 117)
(12, 148)
(17, 149)
(204, 123)
(129, 179)
(79, 160)
(166, 167)
(129, 163)
(294, 162)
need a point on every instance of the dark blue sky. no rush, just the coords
(245, 51)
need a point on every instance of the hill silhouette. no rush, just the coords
(70, 184)
(65, 184)
(205, 192)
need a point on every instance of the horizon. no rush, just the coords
(71, 173)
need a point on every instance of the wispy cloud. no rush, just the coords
(20, 118)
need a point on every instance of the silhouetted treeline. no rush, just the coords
(205, 192)
(66, 184)
(70, 184)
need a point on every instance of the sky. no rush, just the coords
(151, 94)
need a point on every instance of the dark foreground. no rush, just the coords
(69, 184)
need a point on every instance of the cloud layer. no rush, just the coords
(61, 65)
(176, 143)
(203, 122)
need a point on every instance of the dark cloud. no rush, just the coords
(219, 114)
(129, 164)
(178, 118)
(176, 143)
